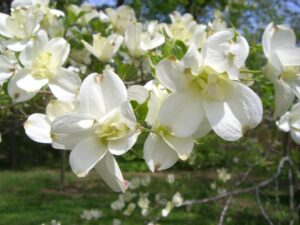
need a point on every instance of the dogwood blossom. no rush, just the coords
(203, 99)
(290, 122)
(20, 27)
(104, 48)
(42, 64)
(103, 126)
(283, 67)
(138, 42)
(38, 126)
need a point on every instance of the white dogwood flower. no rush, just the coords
(283, 66)
(20, 27)
(290, 122)
(203, 98)
(139, 42)
(38, 126)
(225, 51)
(42, 64)
(121, 17)
(104, 48)
(161, 149)
(103, 126)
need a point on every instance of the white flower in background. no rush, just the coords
(223, 175)
(166, 211)
(161, 149)
(159, 199)
(139, 42)
(203, 99)
(85, 12)
(226, 51)
(92, 214)
(118, 204)
(186, 29)
(121, 17)
(103, 126)
(20, 27)
(283, 67)
(290, 122)
(8, 67)
(218, 24)
(116, 222)
(38, 126)
(171, 178)
(143, 202)
(104, 48)
(42, 5)
(177, 199)
(42, 64)
(134, 183)
(130, 209)
(55, 222)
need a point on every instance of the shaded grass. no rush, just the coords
(33, 197)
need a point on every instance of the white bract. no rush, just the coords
(38, 125)
(42, 62)
(203, 99)
(290, 122)
(139, 42)
(186, 29)
(8, 67)
(121, 17)
(283, 67)
(104, 48)
(85, 13)
(20, 27)
(161, 149)
(225, 51)
(103, 126)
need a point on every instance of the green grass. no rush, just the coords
(32, 197)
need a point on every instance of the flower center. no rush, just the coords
(112, 131)
(290, 72)
(43, 66)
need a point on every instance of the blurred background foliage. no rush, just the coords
(249, 16)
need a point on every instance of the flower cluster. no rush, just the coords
(192, 78)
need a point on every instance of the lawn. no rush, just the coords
(32, 197)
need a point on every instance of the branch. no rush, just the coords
(225, 210)
(261, 208)
(242, 191)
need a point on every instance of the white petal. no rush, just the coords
(276, 36)
(283, 123)
(100, 94)
(296, 136)
(29, 83)
(171, 74)
(37, 127)
(138, 93)
(158, 154)
(181, 113)
(203, 129)
(132, 39)
(66, 85)
(56, 108)
(86, 155)
(71, 128)
(17, 94)
(127, 111)
(289, 56)
(110, 172)
(59, 48)
(15, 45)
(122, 145)
(183, 146)
(193, 59)
(241, 111)
(3, 28)
(284, 97)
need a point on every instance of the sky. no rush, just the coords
(102, 2)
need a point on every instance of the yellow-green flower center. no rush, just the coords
(112, 131)
(43, 66)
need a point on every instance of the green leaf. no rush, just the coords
(140, 110)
